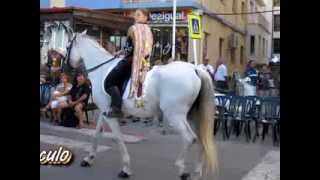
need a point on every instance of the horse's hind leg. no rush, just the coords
(199, 162)
(114, 125)
(179, 122)
(88, 160)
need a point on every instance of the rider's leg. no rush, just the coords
(116, 101)
(112, 83)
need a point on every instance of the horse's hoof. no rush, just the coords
(84, 164)
(185, 176)
(123, 175)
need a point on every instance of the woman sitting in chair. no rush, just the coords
(59, 97)
(139, 40)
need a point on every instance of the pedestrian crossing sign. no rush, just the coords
(195, 28)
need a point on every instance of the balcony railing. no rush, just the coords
(263, 21)
(258, 19)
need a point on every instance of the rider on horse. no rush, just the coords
(137, 53)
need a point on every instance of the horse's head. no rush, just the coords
(61, 40)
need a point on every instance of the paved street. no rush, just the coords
(153, 155)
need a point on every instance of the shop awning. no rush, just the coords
(93, 17)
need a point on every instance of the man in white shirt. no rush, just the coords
(207, 67)
(221, 75)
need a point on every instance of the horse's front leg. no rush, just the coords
(88, 160)
(114, 125)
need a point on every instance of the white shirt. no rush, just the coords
(221, 73)
(207, 67)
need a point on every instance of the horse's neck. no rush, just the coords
(92, 54)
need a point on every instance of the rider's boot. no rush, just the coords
(116, 101)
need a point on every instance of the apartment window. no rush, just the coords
(276, 2)
(234, 6)
(276, 46)
(251, 6)
(233, 55)
(252, 44)
(241, 55)
(263, 47)
(220, 46)
(259, 46)
(243, 9)
(276, 24)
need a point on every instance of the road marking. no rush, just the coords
(268, 169)
(90, 132)
(70, 143)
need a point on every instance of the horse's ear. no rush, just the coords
(84, 32)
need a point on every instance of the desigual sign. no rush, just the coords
(167, 17)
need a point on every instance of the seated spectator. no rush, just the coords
(78, 98)
(263, 81)
(251, 72)
(59, 97)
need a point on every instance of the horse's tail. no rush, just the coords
(205, 115)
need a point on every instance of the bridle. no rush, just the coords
(67, 58)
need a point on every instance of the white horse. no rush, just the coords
(179, 91)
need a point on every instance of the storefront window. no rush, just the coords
(162, 46)
(118, 41)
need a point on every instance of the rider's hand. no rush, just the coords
(117, 54)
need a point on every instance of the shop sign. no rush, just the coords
(167, 16)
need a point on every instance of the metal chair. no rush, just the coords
(269, 115)
(222, 103)
(45, 95)
(248, 115)
(234, 117)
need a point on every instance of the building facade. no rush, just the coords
(224, 28)
(276, 29)
(224, 36)
(259, 32)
